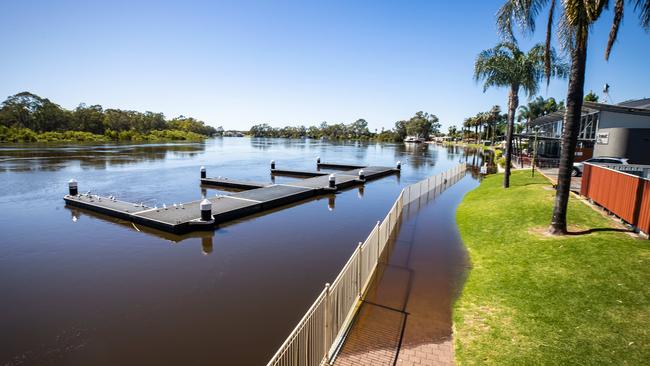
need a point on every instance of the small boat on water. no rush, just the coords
(414, 139)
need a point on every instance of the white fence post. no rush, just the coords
(378, 241)
(360, 263)
(327, 320)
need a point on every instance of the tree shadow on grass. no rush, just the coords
(535, 184)
(598, 229)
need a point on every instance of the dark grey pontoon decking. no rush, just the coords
(232, 183)
(298, 173)
(338, 166)
(256, 197)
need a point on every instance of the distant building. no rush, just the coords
(233, 133)
(620, 130)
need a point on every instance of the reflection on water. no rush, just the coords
(90, 289)
(20, 158)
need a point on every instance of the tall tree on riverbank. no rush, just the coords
(575, 22)
(507, 66)
(27, 110)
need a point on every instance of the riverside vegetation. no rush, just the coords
(26, 117)
(421, 124)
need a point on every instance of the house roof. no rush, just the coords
(637, 103)
(639, 107)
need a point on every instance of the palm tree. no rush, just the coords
(468, 123)
(575, 21)
(465, 128)
(507, 66)
(493, 118)
(536, 108)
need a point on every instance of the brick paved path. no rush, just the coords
(375, 338)
(427, 354)
(406, 316)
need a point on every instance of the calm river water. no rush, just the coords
(81, 289)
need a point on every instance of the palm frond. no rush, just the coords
(519, 12)
(504, 21)
(613, 33)
(643, 6)
(566, 34)
(547, 50)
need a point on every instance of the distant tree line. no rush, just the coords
(491, 125)
(421, 124)
(26, 114)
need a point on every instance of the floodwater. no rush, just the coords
(80, 288)
(407, 310)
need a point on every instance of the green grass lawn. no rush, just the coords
(534, 299)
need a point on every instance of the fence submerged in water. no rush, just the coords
(318, 335)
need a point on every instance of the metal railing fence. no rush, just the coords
(316, 338)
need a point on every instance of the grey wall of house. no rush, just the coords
(631, 143)
(623, 120)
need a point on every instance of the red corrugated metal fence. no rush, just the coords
(624, 194)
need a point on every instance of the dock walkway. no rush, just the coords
(254, 197)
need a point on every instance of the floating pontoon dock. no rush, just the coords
(255, 197)
(232, 183)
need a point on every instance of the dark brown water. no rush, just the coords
(79, 288)
(407, 311)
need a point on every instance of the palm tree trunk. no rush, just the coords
(513, 103)
(570, 132)
(493, 128)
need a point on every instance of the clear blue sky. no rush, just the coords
(235, 63)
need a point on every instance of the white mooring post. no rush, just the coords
(72, 187)
(206, 210)
(399, 165)
(317, 160)
(272, 164)
(203, 174)
(332, 181)
(362, 175)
